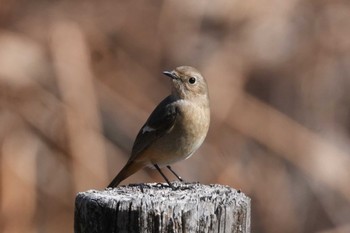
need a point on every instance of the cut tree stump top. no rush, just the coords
(191, 207)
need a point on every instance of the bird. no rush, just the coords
(175, 129)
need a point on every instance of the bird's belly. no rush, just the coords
(171, 152)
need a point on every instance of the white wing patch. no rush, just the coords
(147, 129)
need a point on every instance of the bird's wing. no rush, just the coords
(161, 120)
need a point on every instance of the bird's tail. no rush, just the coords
(129, 169)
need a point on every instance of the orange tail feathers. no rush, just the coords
(129, 169)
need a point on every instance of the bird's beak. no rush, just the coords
(171, 74)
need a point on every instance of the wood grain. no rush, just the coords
(191, 207)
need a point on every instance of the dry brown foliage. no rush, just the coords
(79, 78)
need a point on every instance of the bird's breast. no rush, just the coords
(188, 133)
(192, 123)
(184, 138)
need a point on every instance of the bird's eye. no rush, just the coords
(192, 80)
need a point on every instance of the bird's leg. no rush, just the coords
(165, 178)
(177, 176)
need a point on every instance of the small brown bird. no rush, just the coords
(175, 129)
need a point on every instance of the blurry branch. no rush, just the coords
(17, 181)
(33, 113)
(116, 118)
(75, 81)
(316, 157)
(338, 229)
(43, 116)
(23, 67)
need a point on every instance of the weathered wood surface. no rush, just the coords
(192, 207)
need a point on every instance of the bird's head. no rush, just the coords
(188, 83)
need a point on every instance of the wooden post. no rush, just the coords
(191, 207)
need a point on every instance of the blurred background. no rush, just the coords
(79, 78)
